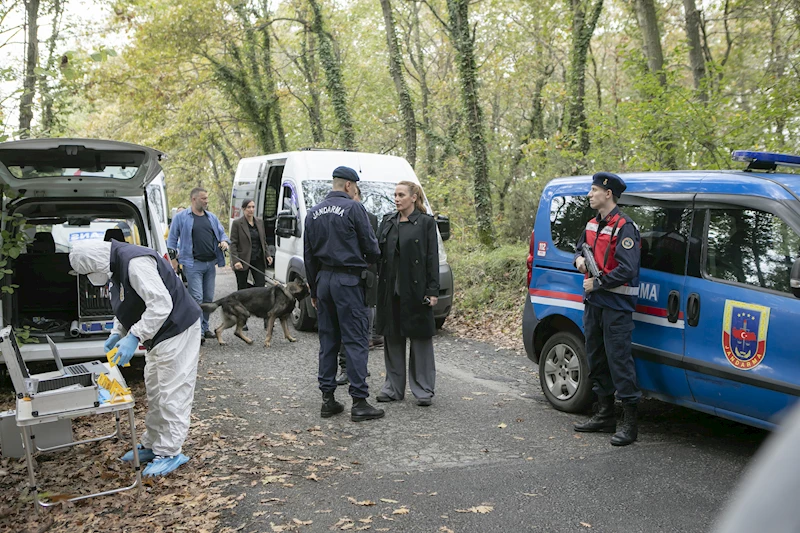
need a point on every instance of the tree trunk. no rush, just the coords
(333, 78)
(269, 82)
(465, 54)
(31, 62)
(651, 38)
(651, 41)
(48, 115)
(311, 73)
(696, 56)
(396, 70)
(417, 59)
(582, 31)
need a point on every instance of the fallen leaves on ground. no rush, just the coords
(479, 509)
(364, 503)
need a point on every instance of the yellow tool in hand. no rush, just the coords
(110, 356)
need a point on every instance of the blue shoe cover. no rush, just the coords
(161, 466)
(145, 455)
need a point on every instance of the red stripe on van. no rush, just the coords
(557, 295)
(655, 311)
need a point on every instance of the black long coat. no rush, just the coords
(417, 272)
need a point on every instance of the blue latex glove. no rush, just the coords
(125, 349)
(111, 342)
(103, 395)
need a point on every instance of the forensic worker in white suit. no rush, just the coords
(152, 308)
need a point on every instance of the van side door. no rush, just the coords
(288, 247)
(742, 332)
(658, 338)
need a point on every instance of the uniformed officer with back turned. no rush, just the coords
(610, 300)
(339, 247)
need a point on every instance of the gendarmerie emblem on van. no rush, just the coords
(744, 333)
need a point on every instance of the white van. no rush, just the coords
(69, 190)
(286, 185)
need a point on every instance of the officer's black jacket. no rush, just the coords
(418, 275)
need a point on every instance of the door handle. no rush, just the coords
(693, 309)
(673, 306)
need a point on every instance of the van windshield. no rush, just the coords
(377, 196)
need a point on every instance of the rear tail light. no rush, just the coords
(530, 261)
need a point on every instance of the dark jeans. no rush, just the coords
(258, 277)
(608, 349)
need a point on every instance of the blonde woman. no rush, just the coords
(408, 289)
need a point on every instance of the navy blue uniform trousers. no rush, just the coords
(342, 319)
(608, 349)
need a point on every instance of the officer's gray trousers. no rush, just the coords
(608, 349)
(421, 367)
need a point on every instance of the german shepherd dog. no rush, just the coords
(269, 303)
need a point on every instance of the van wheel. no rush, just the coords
(564, 373)
(300, 316)
(440, 322)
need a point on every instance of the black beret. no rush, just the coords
(610, 181)
(346, 173)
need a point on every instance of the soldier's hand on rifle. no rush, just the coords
(238, 265)
(580, 262)
(588, 284)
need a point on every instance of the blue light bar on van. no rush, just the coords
(765, 160)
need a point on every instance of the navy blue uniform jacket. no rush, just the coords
(337, 234)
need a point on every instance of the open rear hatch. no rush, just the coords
(88, 167)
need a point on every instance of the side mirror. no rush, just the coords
(444, 226)
(794, 280)
(286, 225)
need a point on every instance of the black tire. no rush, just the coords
(440, 322)
(301, 319)
(564, 373)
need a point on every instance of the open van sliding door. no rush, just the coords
(267, 192)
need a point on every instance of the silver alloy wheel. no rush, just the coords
(562, 371)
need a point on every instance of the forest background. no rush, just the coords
(488, 99)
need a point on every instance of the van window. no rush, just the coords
(664, 232)
(568, 218)
(751, 247)
(377, 196)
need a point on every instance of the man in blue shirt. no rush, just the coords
(339, 246)
(200, 240)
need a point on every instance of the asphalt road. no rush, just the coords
(489, 443)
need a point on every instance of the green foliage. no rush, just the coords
(488, 278)
(13, 240)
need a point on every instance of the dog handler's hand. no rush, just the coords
(314, 302)
(434, 300)
(238, 265)
(223, 245)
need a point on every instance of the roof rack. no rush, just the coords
(314, 149)
(768, 161)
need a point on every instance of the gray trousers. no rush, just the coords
(421, 367)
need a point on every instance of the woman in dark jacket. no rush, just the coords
(249, 247)
(408, 288)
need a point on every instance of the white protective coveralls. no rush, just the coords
(170, 368)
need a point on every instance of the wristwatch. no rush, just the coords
(173, 253)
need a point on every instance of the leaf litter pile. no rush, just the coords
(225, 465)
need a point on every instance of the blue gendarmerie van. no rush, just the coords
(718, 316)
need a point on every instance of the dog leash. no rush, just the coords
(267, 276)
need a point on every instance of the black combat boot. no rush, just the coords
(341, 377)
(330, 406)
(364, 411)
(603, 421)
(630, 429)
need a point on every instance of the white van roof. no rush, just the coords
(319, 164)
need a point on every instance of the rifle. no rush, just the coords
(591, 264)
